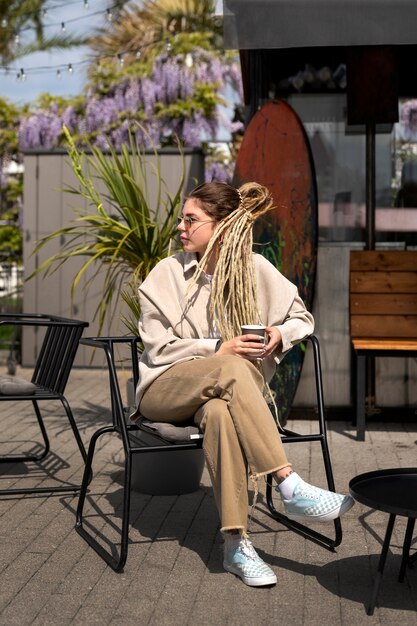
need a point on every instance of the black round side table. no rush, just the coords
(393, 491)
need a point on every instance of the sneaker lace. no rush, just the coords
(246, 548)
(308, 491)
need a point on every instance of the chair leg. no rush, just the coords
(37, 458)
(326, 542)
(74, 428)
(21, 458)
(118, 563)
(330, 543)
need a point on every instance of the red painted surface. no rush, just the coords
(275, 152)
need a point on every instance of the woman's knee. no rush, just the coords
(215, 413)
(240, 371)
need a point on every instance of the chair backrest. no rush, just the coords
(57, 353)
(383, 294)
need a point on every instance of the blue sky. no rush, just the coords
(78, 20)
(46, 81)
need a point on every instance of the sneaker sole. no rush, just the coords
(251, 582)
(326, 517)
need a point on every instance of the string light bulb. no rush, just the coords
(4, 22)
(121, 60)
(22, 74)
(17, 39)
(44, 13)
(63, 29)
(189, 61)
(85, 4)
(109, 15)
(58, 74)
(70, 69)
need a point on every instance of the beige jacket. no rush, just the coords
(173, 332)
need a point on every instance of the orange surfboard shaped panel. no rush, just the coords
(275, 152)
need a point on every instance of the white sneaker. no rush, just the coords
(309, 503)
(241, 558)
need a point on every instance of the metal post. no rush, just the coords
(370, 240)
(370, 186)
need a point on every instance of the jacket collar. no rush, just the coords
(190, 261)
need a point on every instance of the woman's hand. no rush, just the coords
(249, 347)
(275, 340)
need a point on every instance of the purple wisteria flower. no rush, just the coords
(169, 102)
(220, 171)
(40, 130)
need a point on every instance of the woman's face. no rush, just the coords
(196, 228)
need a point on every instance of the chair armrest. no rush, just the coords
(107, 344)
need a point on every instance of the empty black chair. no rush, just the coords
(49, 379)
(132, 445)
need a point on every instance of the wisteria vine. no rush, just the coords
(176, 99)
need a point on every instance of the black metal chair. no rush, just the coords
(49, 379)
(132, 445)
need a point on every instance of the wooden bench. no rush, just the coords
(383, 313)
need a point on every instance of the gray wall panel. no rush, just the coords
(46, 209)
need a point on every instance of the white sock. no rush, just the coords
(288, 485)
(231, 540)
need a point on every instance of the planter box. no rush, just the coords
(167, 473)
(164, 473)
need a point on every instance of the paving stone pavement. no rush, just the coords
(174, 575)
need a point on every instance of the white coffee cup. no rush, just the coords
(255, 329)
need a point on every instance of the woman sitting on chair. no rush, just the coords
(198, 361)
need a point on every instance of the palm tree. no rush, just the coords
(146, 28)
(19, 15)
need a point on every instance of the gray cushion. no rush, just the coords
(170, 432)
(12, 386)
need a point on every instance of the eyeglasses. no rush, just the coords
(189, 221)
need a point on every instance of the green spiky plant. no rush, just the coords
(124, 235)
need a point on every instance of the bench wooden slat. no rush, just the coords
(388, 326)
(383, 313)
(383, 260)
(381, 343)
(383, 282)
(383, 304)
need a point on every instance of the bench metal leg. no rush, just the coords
(360, 397)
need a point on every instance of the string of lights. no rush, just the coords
(109, 13)
(22, 73)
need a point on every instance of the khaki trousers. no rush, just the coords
(224, 395)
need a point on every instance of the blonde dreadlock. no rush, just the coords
(233, 299)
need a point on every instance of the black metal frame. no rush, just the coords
(360, 357)
(50, 375)
(130, 446)
(321, 437)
